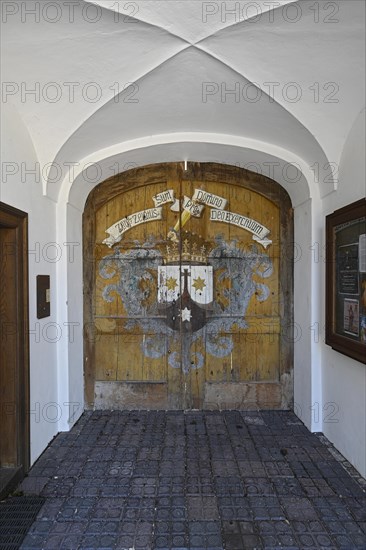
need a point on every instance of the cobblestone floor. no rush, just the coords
(198, 481)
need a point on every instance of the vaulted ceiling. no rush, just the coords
(110, 73)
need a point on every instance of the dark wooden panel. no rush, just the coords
(9, 354)
(14, 342)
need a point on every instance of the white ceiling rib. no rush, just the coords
(169, 54)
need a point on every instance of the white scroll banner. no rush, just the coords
(209, 199)
(189, 205)
(259, 231)
(164, 197)
(117, 229)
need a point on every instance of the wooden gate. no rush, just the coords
(188, 290)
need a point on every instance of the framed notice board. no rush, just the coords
(346, 280)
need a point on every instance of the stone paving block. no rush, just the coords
(229, 485)
(258, 486)
(234, 508)
(198, 485)
(174, 533)
(297, 469)
(312, 470)
(33, 485)
(346, 487)
(280, 541)
(100, 542)
(275, 528)
(102, 527)
(171, 512)
(202, 507)
(251, 468)
(50, 509)
(334, 508)
(177, 453)
(32, 541)
(312, 527)
(224, 467)
(115, 491)
(203, 469)
(338, 527)
(64, 527)
(298, 508)
(71, 542)
(54, 542)
(109, 508)
(77, 528)
(144, 487)
(76, 510)
(278, 469)
(266, 508)
(240, 534)
(143, 514)
(40, 527)
(205, 534)
(314, 540)
(288, 486)
(148, 468)
(171, 467)
(271, 453)
(349, 542)
(171, 485)
(316, 488)
(135, 534)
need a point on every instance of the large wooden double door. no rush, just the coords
(188, 290)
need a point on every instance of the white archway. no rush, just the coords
(302, 190)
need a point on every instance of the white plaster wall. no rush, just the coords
(24, 191)
(344, 379)
(308, 300)
(302, 308)
(70, 315)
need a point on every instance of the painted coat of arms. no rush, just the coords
(186, 289)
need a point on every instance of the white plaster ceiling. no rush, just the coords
(169, 49)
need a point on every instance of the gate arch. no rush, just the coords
(188, 289)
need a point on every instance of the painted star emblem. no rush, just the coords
(186, 314)
(199, 284)
(171, 283)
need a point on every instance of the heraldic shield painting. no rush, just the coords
(187, 298)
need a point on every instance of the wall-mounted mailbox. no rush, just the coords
(43, 296)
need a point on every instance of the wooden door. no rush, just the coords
(14, 360)
(188, 281)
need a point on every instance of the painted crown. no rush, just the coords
(191, 248)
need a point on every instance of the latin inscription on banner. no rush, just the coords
(116, 230)
(188, 207)
(241, 221)
(209, 199)
(164, 197)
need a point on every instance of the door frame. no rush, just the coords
(17, 221)
(211, 172)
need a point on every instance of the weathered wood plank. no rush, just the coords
(259, 353)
